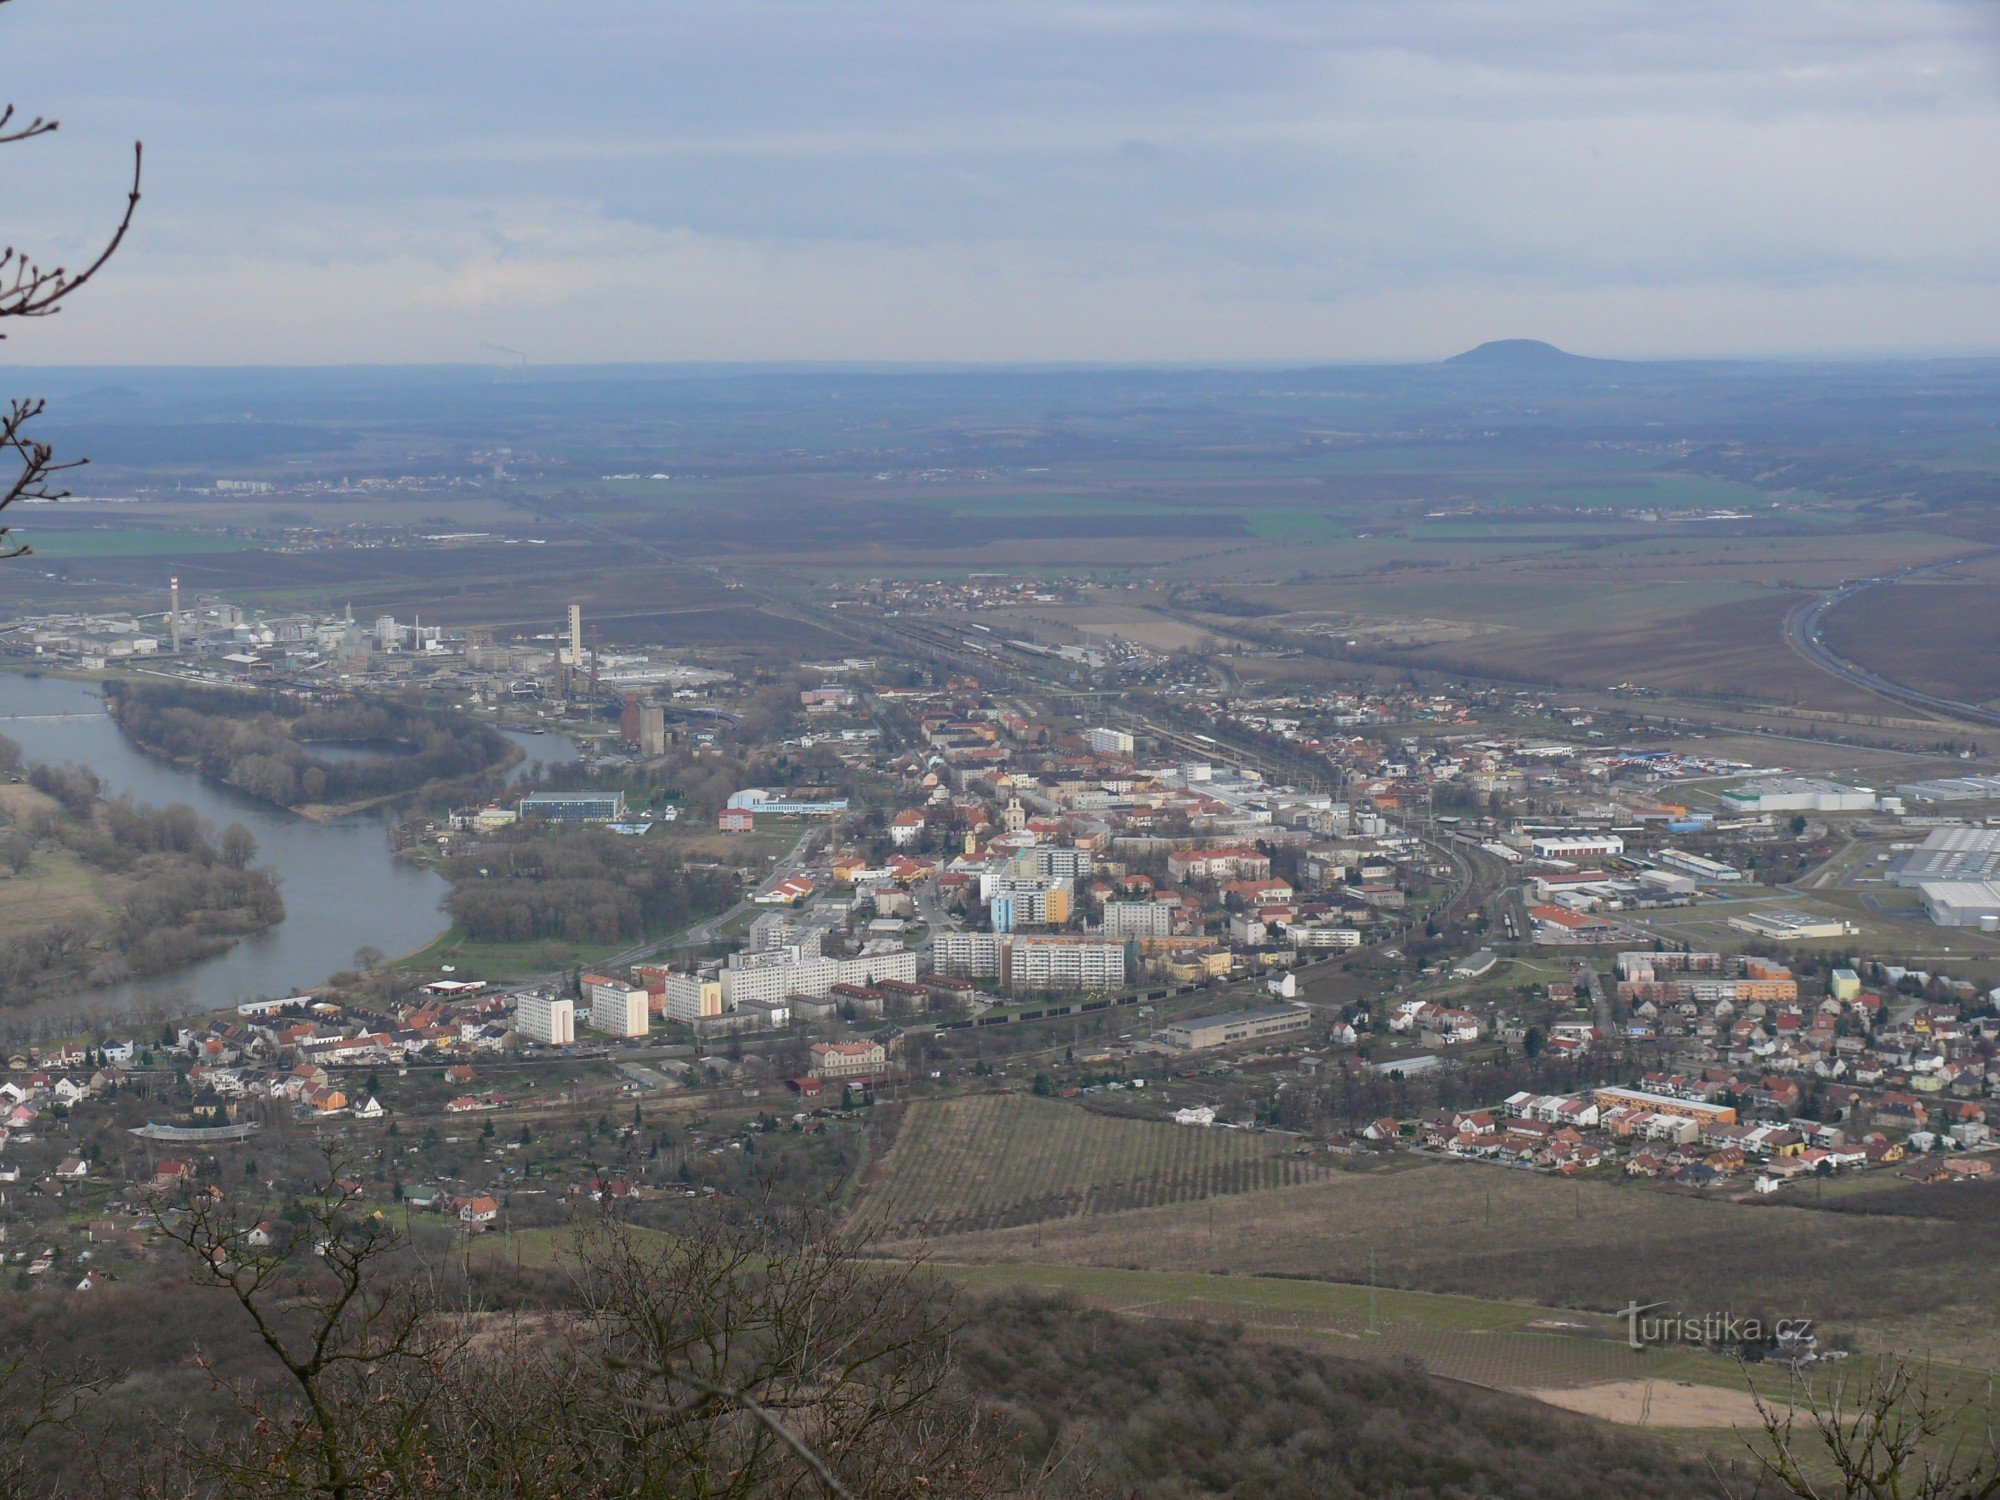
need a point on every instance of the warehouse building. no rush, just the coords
(1700, 866)
(1788, 926)
(1198, 1033)
(1577, 845)
(1962, 903)
(1799, 794)
(1949, 854)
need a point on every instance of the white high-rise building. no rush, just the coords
(546, 1019)
(780, 972)
(1110, 742)
(1130, 919)
(620, 1010)
(691, 997)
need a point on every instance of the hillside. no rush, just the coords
(1526, 355)
(989, 1162)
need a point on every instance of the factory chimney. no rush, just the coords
(174, 612)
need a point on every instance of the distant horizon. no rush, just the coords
(1151, 184)
(947, 365)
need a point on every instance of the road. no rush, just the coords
(1600, 1003)
(1804, 633)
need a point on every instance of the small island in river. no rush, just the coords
(264, 744)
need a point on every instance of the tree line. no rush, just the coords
(578, 885)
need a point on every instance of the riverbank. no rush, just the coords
(93, 890)
(343, 887)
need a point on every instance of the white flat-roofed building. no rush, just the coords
(771, 1015)
(1577, 845)
(1698, 865)
(1311, 935)
(968, 955)
(1197, 1033)
(1799, 794)
(546, 1019)
(1788, 926)
(574, 807)
(1020, 961)
(1961, 903)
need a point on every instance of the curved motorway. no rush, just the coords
(1804, 632)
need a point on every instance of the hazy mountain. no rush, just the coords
(1525, 355)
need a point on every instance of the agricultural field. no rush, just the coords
(1886, 1283)
(1918, 633)
(994, 1161)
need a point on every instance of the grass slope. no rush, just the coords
(1909, 1283)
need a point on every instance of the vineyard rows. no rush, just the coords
(996, 1161)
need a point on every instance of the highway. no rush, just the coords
(1804, 633)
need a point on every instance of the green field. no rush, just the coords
(63, 542)
(1505, 1345)
(992, 1161)
(504, 960)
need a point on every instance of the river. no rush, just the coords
(343, 887)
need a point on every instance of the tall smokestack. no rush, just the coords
(174, 612)
(576, 635)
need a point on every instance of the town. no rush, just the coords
(1478, 926)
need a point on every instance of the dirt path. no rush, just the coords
(1655, 1403)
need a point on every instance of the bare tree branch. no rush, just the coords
(28, 290)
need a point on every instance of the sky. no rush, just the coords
(1136, 180)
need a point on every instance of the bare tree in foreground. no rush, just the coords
(723, 1360)
(30, 290)
(36, 1400)
(1894, 1436)
(355, 1328)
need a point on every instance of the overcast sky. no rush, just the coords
(423, 180)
